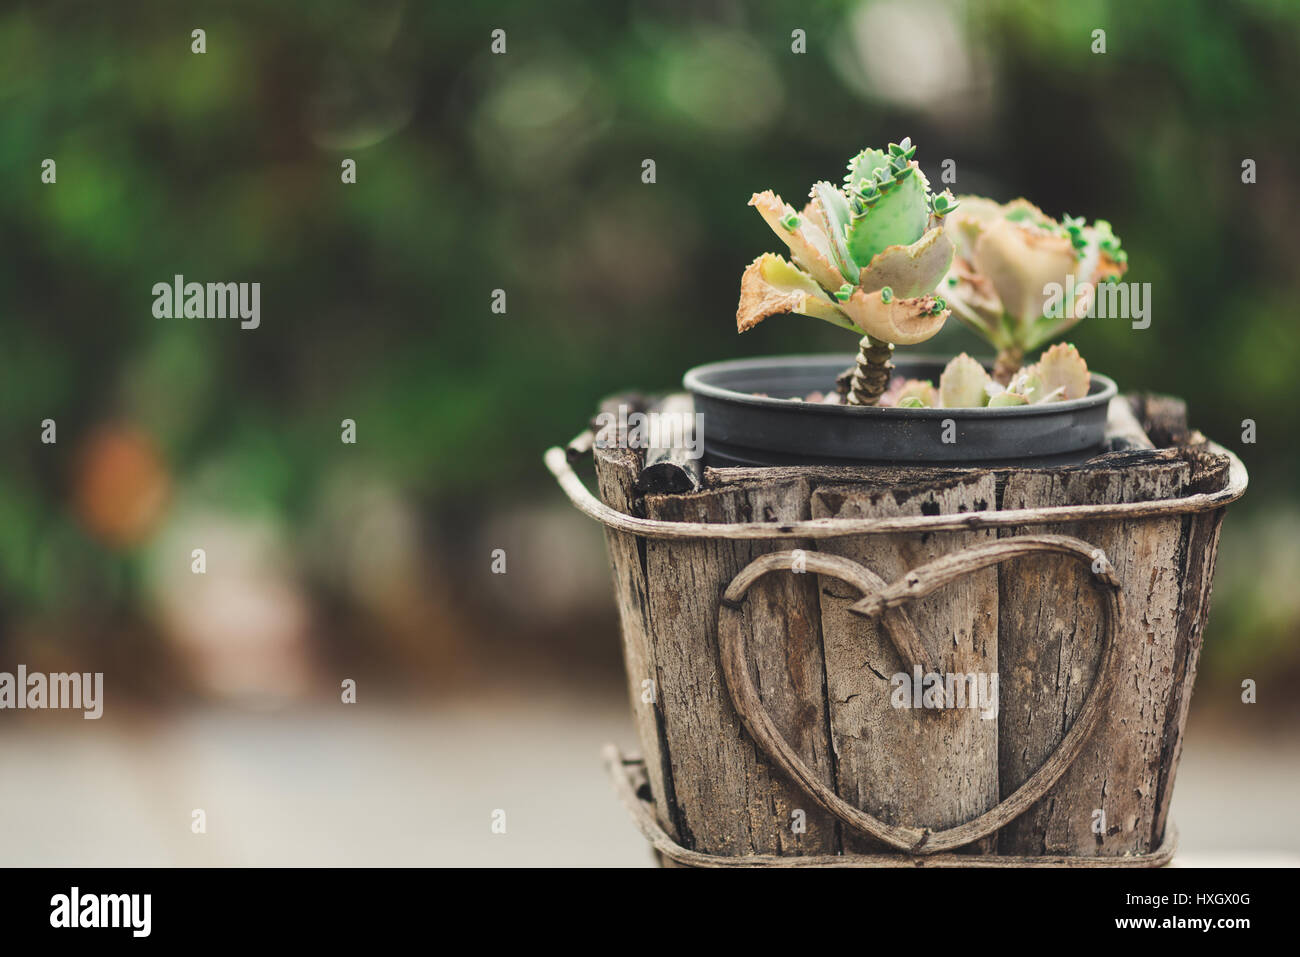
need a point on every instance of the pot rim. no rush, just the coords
(693, 381)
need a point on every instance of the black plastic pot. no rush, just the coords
(741, 428)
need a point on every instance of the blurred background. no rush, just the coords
(522, 172)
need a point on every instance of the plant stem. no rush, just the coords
(871, 373)
(1008, 364)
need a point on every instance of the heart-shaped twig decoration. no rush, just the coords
(884, 602)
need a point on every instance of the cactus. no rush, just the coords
(866, 257)
(1007, 258)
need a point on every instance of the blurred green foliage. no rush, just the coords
(522, 172)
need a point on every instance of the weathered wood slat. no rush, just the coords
(1200, 546)
(890, 476)
(925, 768)
(729, 800)
(1163, 418)
(1123, 431)
(875, 476)
(616, 471)
(1048, 644)
(671, 465)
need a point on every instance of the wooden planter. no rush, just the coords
(765, 615)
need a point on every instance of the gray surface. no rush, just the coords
(371, 785)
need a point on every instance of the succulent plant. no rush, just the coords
(964, 384)
(1059, 374)
(1007, 257)
(916, 394)
(866, 257)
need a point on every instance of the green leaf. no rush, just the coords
(835, 207)
(898, 218)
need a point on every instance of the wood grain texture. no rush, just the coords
(627, 773)
(729, 800)
(1123, 430)
(616, 473)
(1048, 645)
(886, 604)
(1200, 546)
(919, 767)
(1163, 418)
